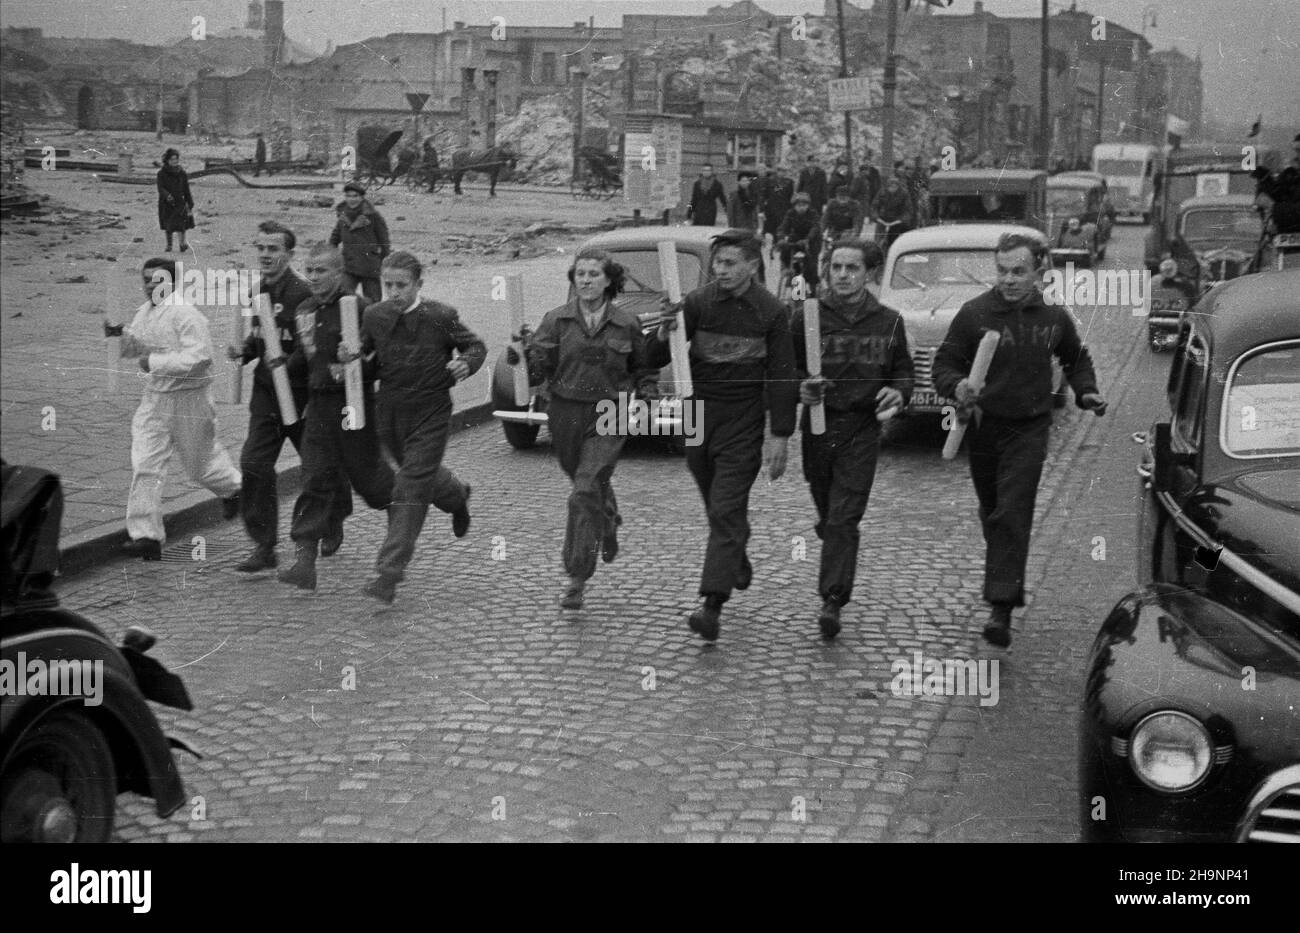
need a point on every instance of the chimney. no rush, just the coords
(273, 32)
(458, 25)
(979, 7)
(254, 16)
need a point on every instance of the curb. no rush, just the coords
(102, 545)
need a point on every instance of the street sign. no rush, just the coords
(849, 93)
(657, 188)
(417, 101)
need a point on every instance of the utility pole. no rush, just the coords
(844, 73)
(580, 81)
(1101, 92)
(1045, 122)
(891, 87)
(158, 116)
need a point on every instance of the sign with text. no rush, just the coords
(652, 163)
(850, 93)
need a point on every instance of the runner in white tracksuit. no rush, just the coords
(176, 412)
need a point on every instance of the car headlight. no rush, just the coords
(1170, 751)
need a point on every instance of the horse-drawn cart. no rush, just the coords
(602, 178)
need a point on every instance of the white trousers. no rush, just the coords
(186, 422)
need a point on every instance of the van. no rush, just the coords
(1130, 171)
(983, 196)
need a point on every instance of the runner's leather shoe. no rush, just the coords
(746, 575)
(303, 572)
(609, 543)
(829, 619)
(330, 544)
(460, 517)
(705, 621)
(259, 559)
(144, 548)
(573, 594)
(230, 507)
(381, 588)
(998, 630)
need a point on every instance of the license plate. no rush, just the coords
(1168, 304)
(1286, 240)
(928, 399)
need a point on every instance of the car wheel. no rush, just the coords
(520, 436)
(60, 784)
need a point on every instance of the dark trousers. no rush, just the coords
(332, 456)
(588, 459)
(414, 433)
(1006, 461)
(370, 286)
(266, 436)
(840, 467)
(725, 464)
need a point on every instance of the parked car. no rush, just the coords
(929, 274)
(1190, 727)
(1217, 238)
(75, 727)
(636, 249)
(1082, 195)
(983, 196)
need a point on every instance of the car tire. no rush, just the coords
(520, 436)
(61, 775)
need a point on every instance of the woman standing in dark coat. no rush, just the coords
(175, 203)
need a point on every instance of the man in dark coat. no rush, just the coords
(706, 194)
(175, 203)
(742, 205)
(866, 185)
(812, 180)
(1009, 429)
(774, 204)
(363, 234)
(259, 158)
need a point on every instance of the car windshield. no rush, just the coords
(1240, 224)
(1261, 407)
(642, 268)
(1120, 167)
(1067, 199)
(975, 207)
(944, 267)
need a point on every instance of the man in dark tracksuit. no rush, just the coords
(742, 368)
(415, 345)
(866, 372)
(333, 449)
(266, 431)
(1009, 430)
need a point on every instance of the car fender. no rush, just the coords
(502, 390)
(141, 751)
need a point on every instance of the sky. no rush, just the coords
(1250, 48)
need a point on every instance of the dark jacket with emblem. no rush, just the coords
(327, 333)
(364, 236)
(588, 366)
(864, 349)
(1019, 383)
(412, 350)
(741, 348)
(289, 292)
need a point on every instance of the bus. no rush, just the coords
(1130, 170)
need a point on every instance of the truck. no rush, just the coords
(1130, 170)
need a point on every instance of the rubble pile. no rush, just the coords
(542, 134)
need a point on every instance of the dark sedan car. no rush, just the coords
(1191, 715)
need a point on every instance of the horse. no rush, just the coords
(488, 161)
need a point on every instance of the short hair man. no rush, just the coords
(362, 233)
(267, 431)
(742, 368)
(706, 194)
(172, 343)
(1013, 413)
(866, 375)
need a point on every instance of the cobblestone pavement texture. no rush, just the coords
(59, 278)
(475, 709)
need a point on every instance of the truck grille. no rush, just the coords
(922, 361)
(1274, 811)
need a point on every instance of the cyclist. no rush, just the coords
(799, 228)
(893, 212)
(842, 219)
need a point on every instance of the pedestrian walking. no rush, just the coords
(775, 201)
(801, 227)
(866, 185)
(742, 368)
(332, 442)
(267, 431)
(706, 194)
(742, 205)
(363, 236)
(176, 413)
(259, 156)
(593, 356)
(419, 350)
(175, 202)
(1011, 417)
(866, 372)
(812, 181)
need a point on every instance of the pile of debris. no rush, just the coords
(73, 220)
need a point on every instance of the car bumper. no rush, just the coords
(665, 417)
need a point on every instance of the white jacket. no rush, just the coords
(175, 337)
